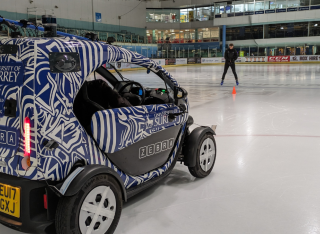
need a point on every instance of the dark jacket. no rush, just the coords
(231, 55)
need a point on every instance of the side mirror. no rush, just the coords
(180, 93)
(148, 71)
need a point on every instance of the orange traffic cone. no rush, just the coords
(234, 90)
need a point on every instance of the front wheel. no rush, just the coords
(95, 209)
(205, 158)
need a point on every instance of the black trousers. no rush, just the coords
(233, 67)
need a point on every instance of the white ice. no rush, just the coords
(267, 172)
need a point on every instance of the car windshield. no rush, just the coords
(128, 71)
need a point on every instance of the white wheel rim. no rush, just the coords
(207, 154)
(97, 211)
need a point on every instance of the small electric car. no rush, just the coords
(77, 139)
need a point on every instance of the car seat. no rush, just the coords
(95, 96)
(84, 107)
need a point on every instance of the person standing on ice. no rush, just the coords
(231, 56)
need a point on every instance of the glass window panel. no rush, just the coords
(238, 6)
(212, 52)
(259, 5)
(163, 15)
(304, 2)
(203, 14)
(301, 29)
(281, 4)
(253, 51)
(244, 51)
(293, 3)
(316, 49)
(150, 15)
(315, 2)
(191, 14)
(300, 50)
(245, 33)
(280, 51)
(262, 51)
(270, 5)
(271, 50)
(309, 49)
(286, 30)
(200, 37)
(215, 34)
(219, 8)
(184, 15)
(229, 8)
(315, 28)
(249, 5)
(192, 35)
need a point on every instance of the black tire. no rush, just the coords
(197, 171)
(68, 210)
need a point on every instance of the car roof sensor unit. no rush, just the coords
(111, 40)
(91, 36)
(49, 23)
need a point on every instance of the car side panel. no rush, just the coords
(116, 129)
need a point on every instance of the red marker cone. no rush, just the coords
(234, 90)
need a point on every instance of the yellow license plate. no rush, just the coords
(10, 200)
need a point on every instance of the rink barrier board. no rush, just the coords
(302, 59)
(219, 64)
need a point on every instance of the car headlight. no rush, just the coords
(64, 62)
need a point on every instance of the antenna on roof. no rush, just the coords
(111, 40)
(91, 36)
(49, 23)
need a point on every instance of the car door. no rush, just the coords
(138, 139)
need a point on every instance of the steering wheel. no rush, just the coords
(131, 95)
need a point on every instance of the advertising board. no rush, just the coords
(180, 61)
(314, 58)
(254, 59)
(171, 61)
(194, 60)
(304, 58)
(210, 60)
(239, 60)
(279, 59)
(161, 62)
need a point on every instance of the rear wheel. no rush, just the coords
(95, 209)
(205, 158)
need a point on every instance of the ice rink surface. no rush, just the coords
(267, 172)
